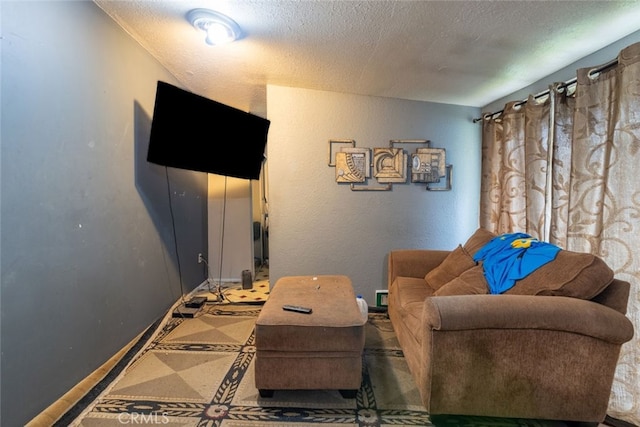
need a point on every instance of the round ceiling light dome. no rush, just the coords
(219, 28)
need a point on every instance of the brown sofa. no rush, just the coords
(546, 349)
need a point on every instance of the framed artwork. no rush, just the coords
(366, 166)
(351, 167)
(428, 165)
(389, 165)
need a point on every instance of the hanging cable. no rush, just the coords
(175, 235)
(542, 94)
(224, 214)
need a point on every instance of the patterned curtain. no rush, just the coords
(592, 200)
(564, 106)
(514, 159)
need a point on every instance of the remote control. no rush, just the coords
(297, 309)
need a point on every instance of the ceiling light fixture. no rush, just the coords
(220, 28)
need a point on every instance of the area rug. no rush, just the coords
(234, 292)
(257, 294)
(200, 372)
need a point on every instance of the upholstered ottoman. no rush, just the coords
(320, 350)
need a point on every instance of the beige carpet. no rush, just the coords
(233, 292)
(199, 372)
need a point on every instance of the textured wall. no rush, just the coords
(320, 227)
(88, 248)
(231, 247)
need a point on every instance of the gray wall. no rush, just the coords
(88, 248)
(320, 227)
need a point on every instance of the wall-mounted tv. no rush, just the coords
(189, 131)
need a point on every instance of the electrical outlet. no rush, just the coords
(200, 259)
(382, 296)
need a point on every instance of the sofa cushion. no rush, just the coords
(477, 240)
(471, 282)
(407, 294)
(456, 263)
(414, 289)
(571, 274)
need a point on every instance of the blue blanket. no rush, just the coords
(513, 256)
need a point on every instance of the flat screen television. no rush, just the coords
(189, 131)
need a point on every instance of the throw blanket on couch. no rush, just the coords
(512, 256)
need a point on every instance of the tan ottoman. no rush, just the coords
(321, 350)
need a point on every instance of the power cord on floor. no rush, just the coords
(218, 288)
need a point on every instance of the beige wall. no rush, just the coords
(234, 241)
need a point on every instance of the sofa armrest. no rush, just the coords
(413, 262)
(555, 313)
(519, 356)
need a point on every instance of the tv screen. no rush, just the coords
(189, 131)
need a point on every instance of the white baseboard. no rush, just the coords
(204, 286)
(211, 284)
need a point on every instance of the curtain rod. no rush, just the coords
(548, 91)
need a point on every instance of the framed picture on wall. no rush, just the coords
(389, 165)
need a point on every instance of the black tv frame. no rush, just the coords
(189, 131)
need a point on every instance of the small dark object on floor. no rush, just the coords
(185, 312)
(347, 394)
(196, 302)
(265, 392)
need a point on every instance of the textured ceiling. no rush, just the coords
(457, 52)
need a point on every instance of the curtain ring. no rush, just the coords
(593, 74)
